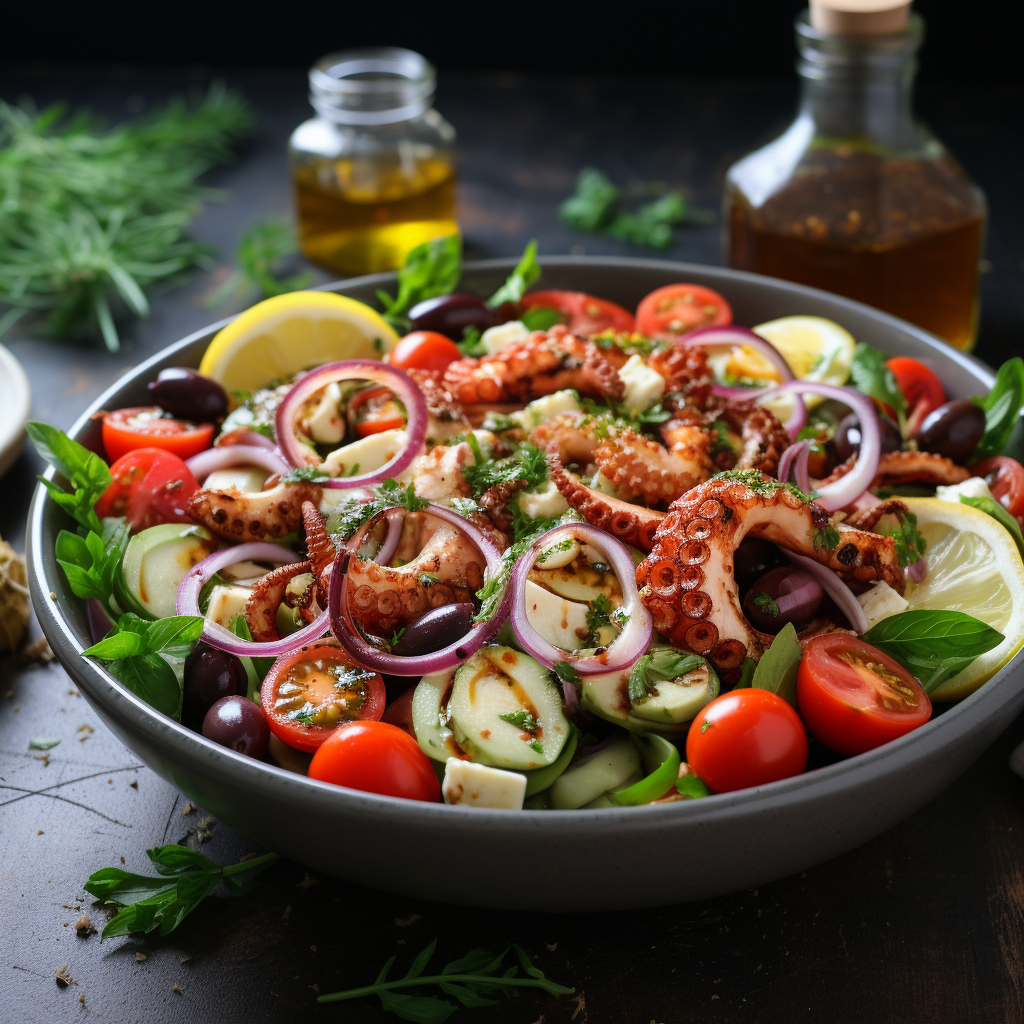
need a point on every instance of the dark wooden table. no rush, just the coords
(925, 923)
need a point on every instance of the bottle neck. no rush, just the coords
(860, 88)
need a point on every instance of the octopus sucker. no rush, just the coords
(632, 524)
(268, 592)
(239, 516)
(687, 583)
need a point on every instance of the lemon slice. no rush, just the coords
(288, 333)
(973, 567)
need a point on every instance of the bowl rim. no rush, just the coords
(163, 732)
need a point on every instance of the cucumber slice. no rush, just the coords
(430, 717)
(557, 620)
(155, 563)
(579, 581)
(618, 764)
(540, 779)
(506, 710)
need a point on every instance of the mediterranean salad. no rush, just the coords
(537, 550)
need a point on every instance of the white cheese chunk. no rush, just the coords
(494, 339)
(546, 408)
(543, 500)
(325, 423)
(226, 603)
(477, 785)
(974, 487)
(880, 602)
(368, 453)
(644, 386)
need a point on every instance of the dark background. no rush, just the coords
(721, 38)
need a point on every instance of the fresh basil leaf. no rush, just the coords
(540, 318)
(1002, 407)
(150, 677)
(122, 644)
(431, 268)
(174, 635)
(933, 645)
(419, 1009)
(747, 668)
(261, 666)
(776, 671)
(659, 664)
(526, 272)
(120, 886)
(86, 472)
(870, 374)
(992, 507)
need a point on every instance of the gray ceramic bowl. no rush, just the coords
(688, 850)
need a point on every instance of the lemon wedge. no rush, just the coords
(288, 333)
(973, 567)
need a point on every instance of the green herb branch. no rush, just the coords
(474, 980)
(258, 256)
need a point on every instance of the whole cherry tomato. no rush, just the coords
(746, 738)
(424, 350)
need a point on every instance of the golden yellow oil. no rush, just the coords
(360, 216)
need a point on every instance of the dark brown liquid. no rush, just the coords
(903, 236)
(357, 222)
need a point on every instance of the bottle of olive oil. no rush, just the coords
(373, 173)
(857, 197)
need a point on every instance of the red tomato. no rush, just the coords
(922, 390)
(376, 757)
(307, 694)
(146, 426)
(375, 410)
(746, 738)
(1005, 477)
(680, 308)
(148, 487)
(854, 697)
(424, 350)
(584, 314)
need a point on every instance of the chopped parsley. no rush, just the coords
(631, 343)
(761, 485)
(618, 414)
(826, 538)
(428, 578)
(521, 719)
(498, 423)
(352, 514)
(910, 543)
(536, 746)
(397, 635)
(466, 506)
(599, 615)
(720, 438)
(307, 475)
(567, 673)
(659, 664)
(527, 463)
(562, 545)
(766, 604)
(470, 345)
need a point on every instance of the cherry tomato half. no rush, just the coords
(424, 350)
(1005, 478)
(376, 757)
(147, 426)
(584, 314)
(374, 411)
(854, 697)
(307, 694)
(678, 309)
(746, 738)
(922, 390)
(148, 486)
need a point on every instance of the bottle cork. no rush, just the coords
(859, 17)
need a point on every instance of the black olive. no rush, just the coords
(210, 674)
(189, 395)
(953, 430)
(847, 439)
(435, 630)
(451, 314)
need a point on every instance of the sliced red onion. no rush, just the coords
(835, 588)
(245, 435)
(351, 636)
(795, 457)
(804, 592)
(918, 570)
(390, 546)
(217, 635)
(797, 418)
(734, 335)
(636, 634)
(205, 463)
(397, 381)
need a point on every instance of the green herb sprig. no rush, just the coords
(1002, 408)
(474, 980)
(259, 253)
(161, 903)
(432, 268)
(870, 373)
(94, 217)
(659, 664)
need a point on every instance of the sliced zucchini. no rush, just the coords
(540, 779)
(155, 562)
(506, 710)
(579, 581)
(618, 764)
(561, 622)
(430, 717)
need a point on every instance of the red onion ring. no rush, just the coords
(245, 435)
(806, 590)
(733, 335)
(397, 381)
(636, 634)
(918, 570)
(835, 588)
(350, 636)
(795, 457)
(205, 463)
(217, 635)
(797, 419)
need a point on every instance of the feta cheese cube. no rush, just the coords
(540, 410)
(544, 500)
(226, 603)
(974, 487)
(478, 785)
(494, 339)
(644, 386)
(880, 602)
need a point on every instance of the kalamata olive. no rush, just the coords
(237, 723)
(753, 558)
(210, 674)
(435, 629)
(764, 605)
(452, 314)
(189, 395)
(953, 430)
(847, 438)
